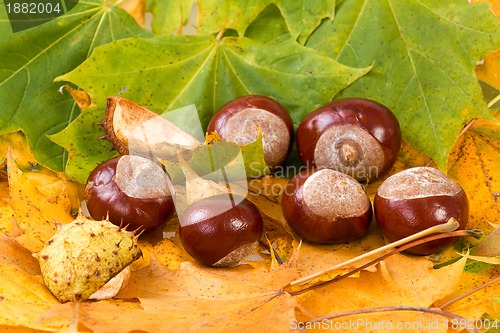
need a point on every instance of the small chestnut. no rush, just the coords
(356, 136)
(220, 230)
(239, 121)
(129, 190)
(416, 199)
(326, 206)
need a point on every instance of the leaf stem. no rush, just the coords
(220, 34)
(451, 225)
(494, 101)
(456, 233)
(396, 308)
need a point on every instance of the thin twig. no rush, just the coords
(439, 312)
(451, 225)
(457, 233)
(470, 292)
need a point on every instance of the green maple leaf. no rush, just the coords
(219, 15)
(169, 16)
(424, 55)
(170, 72)
(301, 16)
(269, 25)
(31, 59)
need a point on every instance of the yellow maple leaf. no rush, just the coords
(192, 298)
(474, 164)
(39, 201)
(399, 281)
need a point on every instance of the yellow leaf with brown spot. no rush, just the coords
(21, 153)
(39, 201)
(489, 70)
(7, 218)
(474, 164)
(168, 250)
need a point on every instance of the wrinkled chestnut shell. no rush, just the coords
(319, 229)
(219, 120)
(401, 218)
(369, 115)
(104, 198)
(208, 238)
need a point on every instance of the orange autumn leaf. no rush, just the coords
(399, 280)
(191, 298)
(474, 164)
(370, 290)
(137, 9)
(489, 70)
(24, 296)
(168, 250)
(494, 5)
(480, 303)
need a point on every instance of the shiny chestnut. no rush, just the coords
(356, 136)
(241, 120)
(416, 199)
(129, 190)
(326, 206)
(220, 230)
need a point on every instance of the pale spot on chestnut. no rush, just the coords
(418, 182)
(326, 206)
(351, 150)
(416, 199)
(134, 193)
(241, 120)
(356, 136)
(139, 177)
(347, 196)
(244, 128)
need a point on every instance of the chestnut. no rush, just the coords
(220, 230)
(239, 121)
(326, 206)
(356, 136)
(416, 199)
(129, 190)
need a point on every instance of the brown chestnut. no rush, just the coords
(416, 199)
(239, 121)
(356, 136)
(326, 206)
(129, 190)
(220, 230)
